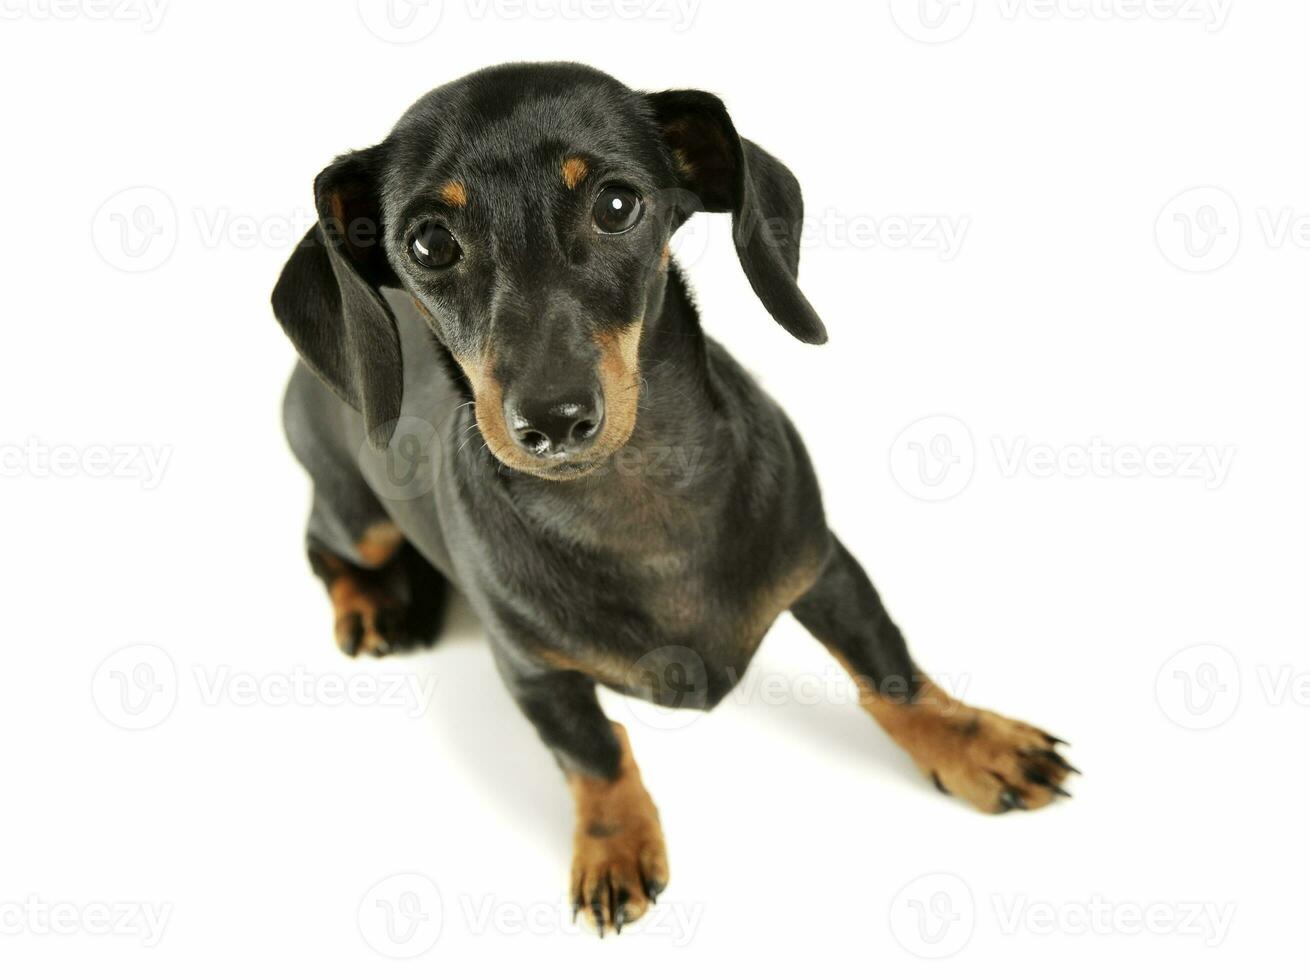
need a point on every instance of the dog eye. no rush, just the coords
(617, 209)
(434, 247)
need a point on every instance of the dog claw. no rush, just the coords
(1041, 779)
(997, 764)
(620, 910)
(353, 638)
(1055, 757)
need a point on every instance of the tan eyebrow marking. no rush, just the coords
(683, 164)
(573, 171)
(454, 193)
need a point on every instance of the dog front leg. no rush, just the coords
(619, 861)
(995, 763)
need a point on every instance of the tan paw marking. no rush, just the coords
(366, 616)
(619, 862)
(993, 762)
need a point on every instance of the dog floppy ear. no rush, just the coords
(327, 297)
(728, 173)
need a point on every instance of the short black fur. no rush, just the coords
(669, 555)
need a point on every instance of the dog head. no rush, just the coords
(527, 211)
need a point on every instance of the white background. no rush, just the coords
(1090, 321)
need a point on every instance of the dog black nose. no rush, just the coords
(565, 424)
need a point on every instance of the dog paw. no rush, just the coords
(368, 619)
(618, 873)
(619, 863)
(995, 763)
(399, 605)
(369, 631)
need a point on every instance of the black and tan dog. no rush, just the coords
(487, 306)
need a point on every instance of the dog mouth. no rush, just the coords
(619, 382)
(572, 469)
(560, 467)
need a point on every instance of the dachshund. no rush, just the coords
(504, 388)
